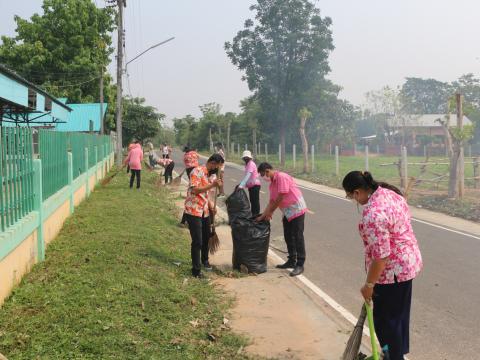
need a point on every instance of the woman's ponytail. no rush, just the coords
(364, 180)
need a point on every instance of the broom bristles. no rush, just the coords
(353, 344)
(213, 243)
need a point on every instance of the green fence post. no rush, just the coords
(70, 182)
(96, 165)
(87, 173)
(38, 206)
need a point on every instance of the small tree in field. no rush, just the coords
(304, 114)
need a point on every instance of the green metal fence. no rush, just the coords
(77, 144)
(16, 175)
(53, 147)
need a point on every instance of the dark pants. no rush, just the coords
(169, 172)
(254, 194)
(165, 156)
(391, 314)
(200, 232)
(293, 234)
(135, 173)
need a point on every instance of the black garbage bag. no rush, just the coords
(238, 205)
(251, 239)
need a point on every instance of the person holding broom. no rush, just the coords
(198, 206)
(286, 195)
(134, 162)
(392, 257)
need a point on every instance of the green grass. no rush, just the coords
(110, 288)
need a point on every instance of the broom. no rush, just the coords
(353, 344)
(107, 180)
(178, 180)
(213, 241)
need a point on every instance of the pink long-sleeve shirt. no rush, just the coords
(135, 157)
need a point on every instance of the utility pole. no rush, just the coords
(102, 129)
(120, 44)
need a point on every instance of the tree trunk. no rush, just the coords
(228, 138)
(476, 172)
(254, 135)
(303, 121)
(453, 180)
(461, 157)
(282, 143)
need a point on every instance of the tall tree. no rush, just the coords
(284, 53)
(425, 96)
(140, 122)
(63, 49)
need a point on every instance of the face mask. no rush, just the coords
(212, 172)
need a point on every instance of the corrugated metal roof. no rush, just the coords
(80, 117)
(427, 120)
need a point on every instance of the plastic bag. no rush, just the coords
(251, 239)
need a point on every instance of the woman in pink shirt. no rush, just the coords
(251, 181)
(134, 161)
(392, 257)
(285, 194)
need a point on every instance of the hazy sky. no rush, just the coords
(377, 42)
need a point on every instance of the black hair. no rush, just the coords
(186, 149)
(364, 180)
(264, 167)
(216, 158)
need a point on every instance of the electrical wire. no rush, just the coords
(77, 84)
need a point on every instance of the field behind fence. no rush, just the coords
(429, 173)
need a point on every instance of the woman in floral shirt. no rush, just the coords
(392, 257)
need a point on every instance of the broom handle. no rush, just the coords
(371, 327)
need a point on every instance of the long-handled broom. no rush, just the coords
(178, 180)
(353, 345)
(109, 178)
(213, 241)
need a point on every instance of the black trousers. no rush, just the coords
(135, 173)
(254, 194)
(200, 232)
(169, 172)
(293, 234)
(391, 314)
(165, 156)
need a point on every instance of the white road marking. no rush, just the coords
(414, 219)
(232, 179)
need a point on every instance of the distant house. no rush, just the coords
(418, 131)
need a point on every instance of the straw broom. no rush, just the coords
(178, 180)
(353, 344)
(214, 241)
(107, 180)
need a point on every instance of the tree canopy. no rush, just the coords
(63, 49)
(140, 122)
(284, 53)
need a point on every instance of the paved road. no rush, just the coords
(446, 306)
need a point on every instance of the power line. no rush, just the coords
(77, 84)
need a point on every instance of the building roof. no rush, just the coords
(14, 76)
(426, 120)
(79, 120)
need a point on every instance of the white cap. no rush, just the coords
(247, 154)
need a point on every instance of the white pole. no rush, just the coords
(259, 149)
(378, 149)
(330, 149)
(279, 153)
(337, 161)
(238, 149)
(405, 167)
(266, 152)
(367, 165)
(246, 147)
(425, 150)
(313, 158)
(294, 150)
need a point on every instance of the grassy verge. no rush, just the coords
(116, 285)
(428, 195)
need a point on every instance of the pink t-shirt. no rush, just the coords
(254, 179)
(387, 232)
(135, 157)
(293, 204)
